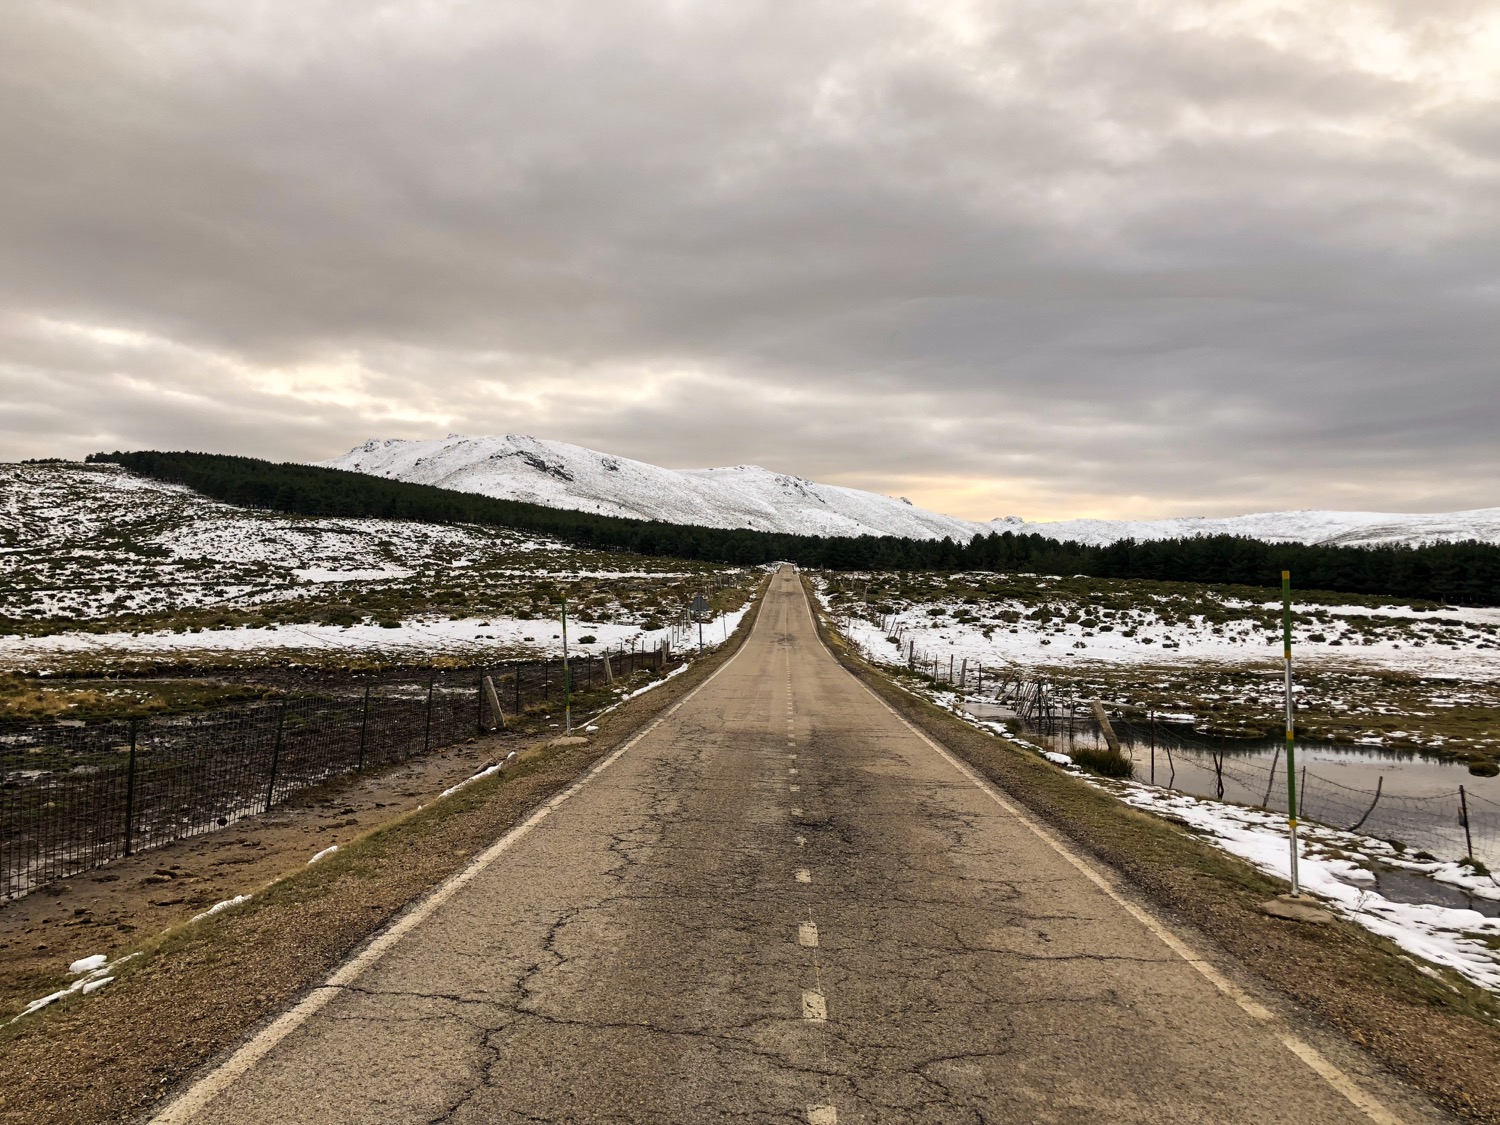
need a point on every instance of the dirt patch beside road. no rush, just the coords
(199, 988)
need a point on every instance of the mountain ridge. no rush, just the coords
(563, 475)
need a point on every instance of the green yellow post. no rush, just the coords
(567, 680)
(1291, 754)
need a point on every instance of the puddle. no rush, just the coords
(1400, 885)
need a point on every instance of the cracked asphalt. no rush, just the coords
(781, 905)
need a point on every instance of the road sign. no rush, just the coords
(699, 605)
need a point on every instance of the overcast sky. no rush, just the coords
(1121, 258)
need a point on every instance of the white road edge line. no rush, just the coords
(206, 1089)
(1305, 1051)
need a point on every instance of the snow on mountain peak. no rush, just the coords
(560, 475)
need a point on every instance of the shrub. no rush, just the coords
(1106, 763)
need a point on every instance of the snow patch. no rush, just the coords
(220, 907)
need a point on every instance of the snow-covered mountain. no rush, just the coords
(1308, 526)
(559, 475)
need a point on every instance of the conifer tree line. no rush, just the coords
(1456, 573)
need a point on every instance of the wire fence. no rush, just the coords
(1451, 824)
(75, 796)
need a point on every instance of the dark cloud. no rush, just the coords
(1024, 257)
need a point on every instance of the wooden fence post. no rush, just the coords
(494, 697)
(1109, 731)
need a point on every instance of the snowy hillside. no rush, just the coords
(560, 475)
(100, 568)
(1332, 528)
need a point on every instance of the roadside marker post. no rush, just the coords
(567, 680)
(1291, 753)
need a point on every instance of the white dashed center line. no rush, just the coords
(814, 1007)
(822, 1115)
(802, 875)
(807, 934)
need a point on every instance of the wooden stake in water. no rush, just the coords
(567, 680)
(1291, 753)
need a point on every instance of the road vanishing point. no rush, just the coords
(781, 903)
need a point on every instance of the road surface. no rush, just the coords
(782, 904)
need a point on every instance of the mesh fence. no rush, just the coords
(1452, 824)
(75, 796)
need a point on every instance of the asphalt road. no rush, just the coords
(782, 904)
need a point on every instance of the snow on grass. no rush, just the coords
(324, 854)
(417, 638)
(488, 771)
(91, 981)
(88, 964)
(219, 908)
(1335, 866)
(1029, 643)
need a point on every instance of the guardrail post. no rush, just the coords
(130, 788)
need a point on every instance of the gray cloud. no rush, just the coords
(1049, 259)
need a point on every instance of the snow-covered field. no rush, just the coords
(98, 566)
(414, 641)
(1368, 671)
(560, 475)
(1462, 643)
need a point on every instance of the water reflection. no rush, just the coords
(1396, 795)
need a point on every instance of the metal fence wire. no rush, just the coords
(75, 796)
(1452, 824)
